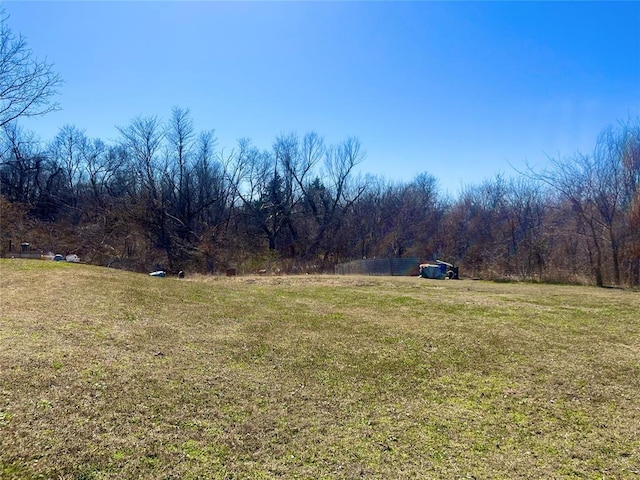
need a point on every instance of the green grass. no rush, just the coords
(107, 374)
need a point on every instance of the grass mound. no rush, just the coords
(110, 374)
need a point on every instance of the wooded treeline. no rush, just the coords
(164, 195)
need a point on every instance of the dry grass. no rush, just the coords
(109, 374)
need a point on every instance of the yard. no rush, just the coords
(106, 374)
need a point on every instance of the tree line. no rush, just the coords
(164, 195)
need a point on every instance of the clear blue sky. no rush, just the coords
(457, 89)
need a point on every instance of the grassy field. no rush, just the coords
(110, 374)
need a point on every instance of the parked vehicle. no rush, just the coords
(439, 270)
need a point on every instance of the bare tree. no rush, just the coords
(67, 150)
(210, 189)
(602, 188)
(27, 175)
(142, 139)
(259, 188)
(368, 219)
(213, 193)
(345, 189)
(630, 154)
(295, 160)
(299, 158)
(607, 191)
(27, 84)
(478, 227)
(527, 210)
(180, 137)
(576, 179)
(21, 164)
(102, 165)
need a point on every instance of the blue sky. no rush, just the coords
(461, 90)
